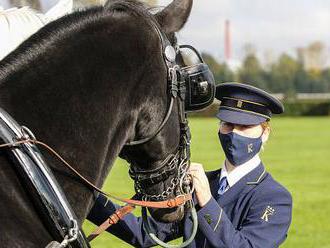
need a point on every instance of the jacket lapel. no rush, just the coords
(243, 186)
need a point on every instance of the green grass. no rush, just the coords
(297, 155)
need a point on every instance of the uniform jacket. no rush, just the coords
(254, 212)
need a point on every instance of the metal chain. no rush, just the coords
(182, 169)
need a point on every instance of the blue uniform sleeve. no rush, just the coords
(130, 229)
(265, 225)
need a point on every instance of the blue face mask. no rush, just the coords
(239, 149)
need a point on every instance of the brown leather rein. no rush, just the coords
(120, 213)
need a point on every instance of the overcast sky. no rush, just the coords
(273, 26)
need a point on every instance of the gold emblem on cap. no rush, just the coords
(268, 211)
(239, 104)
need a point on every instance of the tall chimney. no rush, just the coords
(227, 41)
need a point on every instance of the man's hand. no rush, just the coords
(200, 183)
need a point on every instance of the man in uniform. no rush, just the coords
(240, 205)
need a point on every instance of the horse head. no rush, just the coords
(155, 157)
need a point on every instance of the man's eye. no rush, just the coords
(229, 125)
(243, 127)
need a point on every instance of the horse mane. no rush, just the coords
(38, 43)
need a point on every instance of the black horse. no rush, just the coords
(87, 84)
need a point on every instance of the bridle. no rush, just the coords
(192, 88)
(175, 163)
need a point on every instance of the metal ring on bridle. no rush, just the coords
(27, 133)
(181, 185)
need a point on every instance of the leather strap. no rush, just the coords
(113, 219)
(121, 212)
(170, 203)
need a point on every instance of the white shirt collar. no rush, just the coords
(240, 171)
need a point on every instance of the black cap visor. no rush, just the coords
(240, 117)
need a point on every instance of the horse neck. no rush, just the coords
(87, 120)
(88, 136)
(83, 98)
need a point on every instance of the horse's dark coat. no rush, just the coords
(85, 84)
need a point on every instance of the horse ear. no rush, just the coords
(173, 17)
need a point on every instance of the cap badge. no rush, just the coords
(239, 104)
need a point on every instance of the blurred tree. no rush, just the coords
(326, 80)
(252, 72)
(269, 59)
(221, 71)
(313, 57)
(283, 75)
(249, 49)
(302, 82)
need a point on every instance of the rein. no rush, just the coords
(170, 203)
(179, 200)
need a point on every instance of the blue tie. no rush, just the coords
(223, 185)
